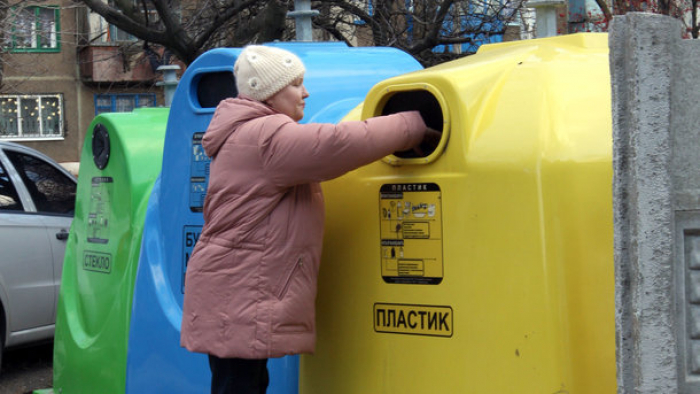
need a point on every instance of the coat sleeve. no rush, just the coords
(295, 153)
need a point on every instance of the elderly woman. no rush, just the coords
(250, 285)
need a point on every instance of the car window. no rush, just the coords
(9, 200)
(51, 190)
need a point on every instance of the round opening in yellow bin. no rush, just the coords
(422, 97)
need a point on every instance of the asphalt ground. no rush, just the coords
(26, 369)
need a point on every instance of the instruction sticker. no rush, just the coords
(98, 217)
(199, 173)
(428, 320)
(411, 233)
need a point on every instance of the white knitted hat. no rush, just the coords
(262, 71)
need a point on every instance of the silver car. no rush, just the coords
(37, 198)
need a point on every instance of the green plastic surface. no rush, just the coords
(102, 254)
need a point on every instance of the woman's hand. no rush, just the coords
(430, 141)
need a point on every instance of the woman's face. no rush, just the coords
(290, 100)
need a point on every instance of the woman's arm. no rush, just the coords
(301, 153)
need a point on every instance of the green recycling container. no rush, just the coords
(121, 159)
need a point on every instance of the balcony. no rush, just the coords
(115, 63)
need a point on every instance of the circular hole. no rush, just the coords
(100, 146)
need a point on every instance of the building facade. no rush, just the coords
(61, 66)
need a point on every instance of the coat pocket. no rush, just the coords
(293, 311)
(284, 288)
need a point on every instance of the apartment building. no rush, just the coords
(61, 66)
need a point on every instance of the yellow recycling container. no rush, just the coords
(486, 265)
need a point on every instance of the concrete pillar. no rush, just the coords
(656, 191)
(302, 15)
(169, 82)
(546, 14)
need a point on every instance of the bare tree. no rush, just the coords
(439, 30)
(683, 10)
(189, 28)
(432, 31)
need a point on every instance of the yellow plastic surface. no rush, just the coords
(526, 231)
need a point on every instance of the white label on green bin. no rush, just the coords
(199, 173)
(190, 235)
(411, 233)
(98, 217)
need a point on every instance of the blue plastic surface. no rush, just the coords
(337, 78)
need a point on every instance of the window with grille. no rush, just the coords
(31, 116)
(34, 29)
(123, 102)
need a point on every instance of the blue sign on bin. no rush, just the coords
(337, 78)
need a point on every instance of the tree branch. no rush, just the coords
(606, 10)
(221, 18)
(115, 17)
(431, 38)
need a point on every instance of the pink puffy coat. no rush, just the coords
(250, 285)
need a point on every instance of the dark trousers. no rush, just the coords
(238, 376)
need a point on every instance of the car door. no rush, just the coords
(37, 239)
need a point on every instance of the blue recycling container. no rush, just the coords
(337, 77)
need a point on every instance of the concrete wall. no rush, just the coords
(656, 187)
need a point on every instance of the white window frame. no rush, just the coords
(33, 136)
